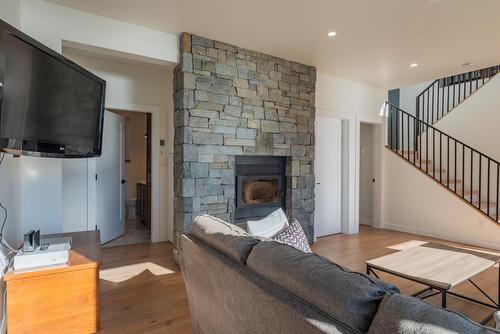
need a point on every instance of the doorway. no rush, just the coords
(136, 181)
(366, 173)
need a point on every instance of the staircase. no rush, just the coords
(443, 95)
(458, 167)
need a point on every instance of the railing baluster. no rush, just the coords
(400, 147)
(448, 162)
(437, 104)
(420, 147)
(408, 136)
(459, 88)
(455, 166)
(415, 124)
(498, 188)
(480, 183)
(448, 97)
(463, 169)
(427, 148)
(432, 108)
(471, 169)
(389, 128)
(488, 188)
(465, 86)
(470, 83)
(440, 157)
(428, 107)
(434, 153)
(442, 102)
(454, 87)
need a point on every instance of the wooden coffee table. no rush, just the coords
(440, 268)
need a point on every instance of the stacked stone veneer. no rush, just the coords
(230, 101)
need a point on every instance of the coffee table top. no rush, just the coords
(435, 265)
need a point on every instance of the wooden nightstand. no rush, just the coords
(61, 299)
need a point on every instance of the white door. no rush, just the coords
(109, 174)
(328, 171)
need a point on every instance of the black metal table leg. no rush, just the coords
(368, 269)
(443, 298)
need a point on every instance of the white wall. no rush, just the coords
(353, 103)
(414, 203)
(41, 194)
(51, 24)
(408, 96)
(10, 12)
(334, 94)
(132, 84)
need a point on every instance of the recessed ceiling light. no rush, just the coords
(467, 64)
(332, 33)
(414, 65)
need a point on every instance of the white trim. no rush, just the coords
(432, 234)
(351, 226)
(364, 221)
(155, 165)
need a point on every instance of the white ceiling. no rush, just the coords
(376, 40)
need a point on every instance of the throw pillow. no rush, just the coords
(294, 236)
(268, 226)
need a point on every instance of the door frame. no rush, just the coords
(351, 123)
(155, 167)
(349, 203)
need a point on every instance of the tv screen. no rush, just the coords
(49, 106)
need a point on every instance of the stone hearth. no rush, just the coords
(231, 102)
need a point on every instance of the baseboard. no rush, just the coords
(438, 235)
(365, 221)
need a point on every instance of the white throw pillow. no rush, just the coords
(268, 226)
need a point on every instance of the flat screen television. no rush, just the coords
(49, 106)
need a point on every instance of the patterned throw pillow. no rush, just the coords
(294, 236)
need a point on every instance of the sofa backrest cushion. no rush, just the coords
(227, 238)
(407, 315)
(352, 298)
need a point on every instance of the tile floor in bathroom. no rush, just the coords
(135, 233)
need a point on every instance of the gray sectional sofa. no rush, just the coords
(239, 284)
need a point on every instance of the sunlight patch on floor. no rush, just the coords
(124, 273)
(407, 245)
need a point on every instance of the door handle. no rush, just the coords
(124, 181)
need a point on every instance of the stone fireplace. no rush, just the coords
(244, 135)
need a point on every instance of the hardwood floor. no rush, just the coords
(142, 290)
(352, 251)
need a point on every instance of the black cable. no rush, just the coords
(3, 208)
(2, 241)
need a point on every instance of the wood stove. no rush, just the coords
(260, 186)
